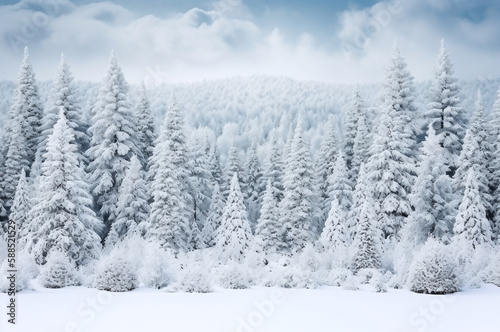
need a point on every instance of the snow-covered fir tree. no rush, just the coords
(274, 168)
(335, 235)
(324, 164)
(62, 218)
(114, 141)
(444, 109)
(214, 218)
(361, 148)
(59, 271)
(214, 163)
(132, 206)
(472, 228)
(297, 209)
(171, 214)
(62, 96)
(145, 127)
(233, 165)
(22, 131)
(200, 179)
(494, 165)
(365, 247)
(20, 209)
(254, 186)
(475, 154)
(268, 230)
(234, 237)
(391, 166)
(354, 113)
(339, 184)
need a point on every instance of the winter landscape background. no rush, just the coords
(259, 179)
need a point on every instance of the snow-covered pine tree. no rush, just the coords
(234, 237)
(475, 154)
(132, 206)
(366, 252)
(59, 271)
(62, 218)
(114, 141)
(62, 95)
(274, 168)
(16, 160)
(214, 164)
(233, 165)
(214, 218)
(297, 209)
(472, 228)
(361, 148)
(433, 198)
(22, 131)
(444, 109)
(169, 222)
(324, 164)
(21, 206)
(334, 235)
(200, 179)
(391, 166)
(339, 184)
(494, 165)
(355, 112)
(254, 186)
(145, 127)
(268, 230)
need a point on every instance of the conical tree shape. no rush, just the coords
(146, 127)
(255, 186)
(114, 141)
(274, 168)
(132, 207)
(268, 230)
(234, 237)
(20, 209)
(63, 219)
(444, 109)
(214, 218)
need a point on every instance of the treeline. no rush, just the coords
(381, 203)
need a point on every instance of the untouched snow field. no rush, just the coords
(258, 309)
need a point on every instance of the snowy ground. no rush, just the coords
(253, 310)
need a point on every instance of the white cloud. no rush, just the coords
(227, 41)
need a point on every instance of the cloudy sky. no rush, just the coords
(189, 40)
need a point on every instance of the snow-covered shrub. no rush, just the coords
(156, 271)
(59, 271)
(233, 276)
(433, 270)
(115, 273)
(194, 278)
(286, 274)
(27, 270)
(491, 273)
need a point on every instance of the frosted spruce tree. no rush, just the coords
(297, 209)
(339, 185)
(61, 96)
(214, 164)
(355, 112)
(20, 209)
(169, 222)
(145, 127)
(200, 179)
(254, 186)
(234, 237)
(444, 109)
(62, 218)
(324, 164)
(433, 197)
(391, 166)
(365, 248)
(268, 230)
(475, 153)
(22, 131)
(132, 206)
(494, 165)
(335, 236)
(274, 168)
(214, 218)
(472, 228)
(233, 165)
(361, 148)
(114, 141)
